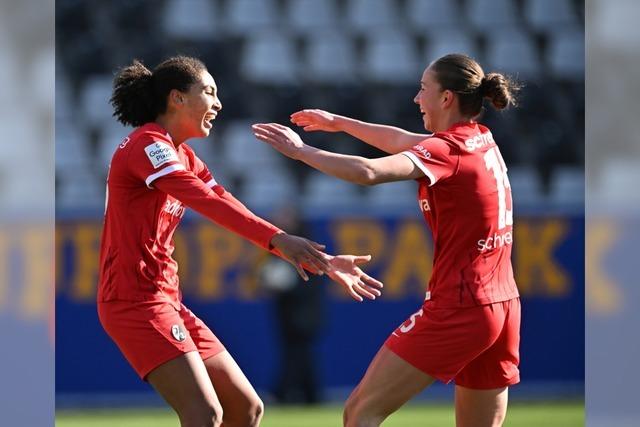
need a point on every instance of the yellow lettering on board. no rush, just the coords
(86, 247)
(411, 257)
(603, 294)
(37, 251)
(219, 249)
(248, 279)
(358, 237)
(61, 236)
(536, 271)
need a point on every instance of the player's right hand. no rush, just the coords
(298, 251)
(314, 120)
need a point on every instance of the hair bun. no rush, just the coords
(499, 89)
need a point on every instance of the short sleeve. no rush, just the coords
(435, 158)
(152, 158)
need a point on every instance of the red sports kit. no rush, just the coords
(468, 327)
(139, 302)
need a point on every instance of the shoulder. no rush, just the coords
(148, 134)
(435, 143)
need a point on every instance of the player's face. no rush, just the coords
(429, 99)
(201, 106)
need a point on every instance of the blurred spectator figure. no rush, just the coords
(299, 313)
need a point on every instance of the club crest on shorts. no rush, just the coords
(178, 333)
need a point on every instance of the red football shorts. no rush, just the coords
(477, 347)
(152, 333)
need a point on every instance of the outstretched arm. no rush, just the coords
(389, 139)
(222, 208)
(356, 169)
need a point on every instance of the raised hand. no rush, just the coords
(345, 271)
(298, 251)
(280, 137)
(314, 120)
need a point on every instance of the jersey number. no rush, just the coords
(494, 162)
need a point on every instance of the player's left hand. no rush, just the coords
(280, 137)
(345, 271)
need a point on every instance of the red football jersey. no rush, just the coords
(150, 181)
(465, 198)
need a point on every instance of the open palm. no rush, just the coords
(344, 270)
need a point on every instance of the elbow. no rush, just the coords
(367, 176)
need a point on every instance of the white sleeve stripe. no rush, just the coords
(211, 183)
(421, 166)
(163, 172)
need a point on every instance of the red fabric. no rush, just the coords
(149, 184)
(465, 198)
(478, 347)
(148, 333)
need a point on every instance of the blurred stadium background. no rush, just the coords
(361, 58)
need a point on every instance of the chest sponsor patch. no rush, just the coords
(160, 153)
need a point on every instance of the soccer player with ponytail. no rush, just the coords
(468, 328)
(152, 177)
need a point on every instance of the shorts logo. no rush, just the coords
(160, 153)
(178, 333)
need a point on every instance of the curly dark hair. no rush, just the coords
(140, 95)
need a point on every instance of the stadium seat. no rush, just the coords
(64, 105)
(330, 57)
(80, 188)
(325, 192)
(550, 15)
(370, 16)
(432, 15)
(488, 16)
(612, 189)
(243, 152)
(266, 188)
(392, 196)
(514, 52)
(190, 19)
(391, 57)
(94, 100)
(526, 187)
(72, 146)
(269, 58)
(311, 16)
(244, 17)
(565, 54)
(567, 186)
(443, 43)
(208, 149)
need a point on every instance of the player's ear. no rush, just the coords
(447, 98)
(176, 98)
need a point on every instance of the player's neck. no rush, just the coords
(172, 128)
(449, 119)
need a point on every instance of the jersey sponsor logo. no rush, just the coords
(178, 333)
(125, 142)
(496, 241)
(420, 149)
(424, 205)
(479, 141)
(174, 208)
(160, 153)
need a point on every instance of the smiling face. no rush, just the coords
(430, 98)
(197, 107)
